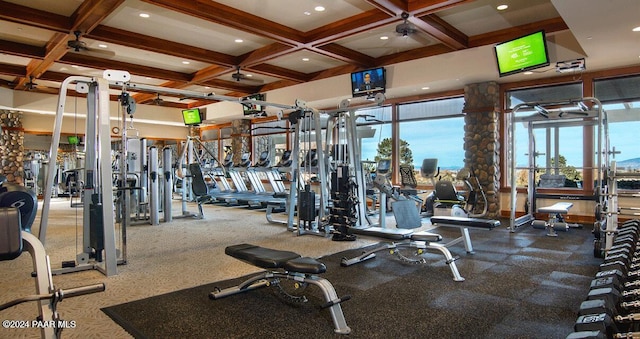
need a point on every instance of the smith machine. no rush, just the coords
(551, 116)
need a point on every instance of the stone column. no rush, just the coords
(481, 139)
(240, 138)
(12, 146)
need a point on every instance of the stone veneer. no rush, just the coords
(240, 138)
(12, 146)
(481, 139)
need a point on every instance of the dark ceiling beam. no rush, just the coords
(264, 54)
(146, 71)
(418, 53)
(158, 45)
(549, 26)
(12, 70)
(34, 17)
(390, 7)
(441, 30)
(280, 72)
(347, 27)
(234, 18)
(347, 55)
(22, 50)
(87, 16)
(422, 7)
(91, 13)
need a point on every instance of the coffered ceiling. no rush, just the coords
(199, 44)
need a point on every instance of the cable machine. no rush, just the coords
(98, 236)
(586, 111)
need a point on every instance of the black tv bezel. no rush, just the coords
(249, 109)
(199, 115)
(355, 82)
(528, 68)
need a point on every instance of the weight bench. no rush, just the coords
(402, 237)
(556, 221)
(464, 224)
(285, 265)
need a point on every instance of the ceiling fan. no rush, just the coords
(80, 46)
(239, 76)
(158, 100)
(405, 28)
(29, 86)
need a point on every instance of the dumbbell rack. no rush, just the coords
(612, 307)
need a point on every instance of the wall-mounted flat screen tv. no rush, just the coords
(192, 116)
(368, 82)
(522, 54)
(73, 139)
(250, 108)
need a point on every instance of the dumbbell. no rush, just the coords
(600, 335)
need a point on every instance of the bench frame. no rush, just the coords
(464, 229)
(420, 241)
(271, 278)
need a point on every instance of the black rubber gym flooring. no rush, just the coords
(518, 285)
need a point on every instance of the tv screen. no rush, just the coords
(73, 139)
(191, 116)
(522, 54)
(368, 82)
(252, 108)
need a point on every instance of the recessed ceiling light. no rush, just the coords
(502, 7)
(144, 15)
(186, 62)
(102, 46)
(305, 59)
(207, 87)
(248, 75)
(425, 88)
(307, 13)
(384, 37)
(528, 73)
(319, 9)
(636, 29)
(75, 66)
(239, 40)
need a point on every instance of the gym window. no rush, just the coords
(621, 101)
(374, 126)
(433, 129)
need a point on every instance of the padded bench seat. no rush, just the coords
(270, 258)
(557, 208)
(465, 222)
(381, 232)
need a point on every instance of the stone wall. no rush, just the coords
(481, 139)
(12, 146)
(240, 138)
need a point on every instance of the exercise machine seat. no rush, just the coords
(10, 233)
(557, 208)
(466, 222)
(260, 256)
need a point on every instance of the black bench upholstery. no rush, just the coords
(466, 222)
(270, 258)
(285, 265)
